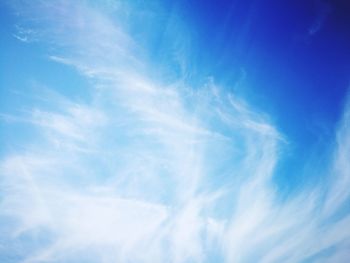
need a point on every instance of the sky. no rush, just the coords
(175, 131)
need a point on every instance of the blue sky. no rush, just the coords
(174, 131)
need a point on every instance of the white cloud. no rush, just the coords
(148, 172)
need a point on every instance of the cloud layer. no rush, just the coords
(151, 171)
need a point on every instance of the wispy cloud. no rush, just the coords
(25, 35)
(323, 10)
(154, 172)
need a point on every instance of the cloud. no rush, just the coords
(323, 10)
(338, 193)
(25, 35)
(148, 171)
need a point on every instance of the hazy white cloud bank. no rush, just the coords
(152, 172)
